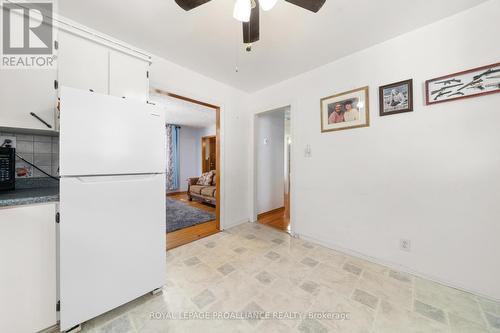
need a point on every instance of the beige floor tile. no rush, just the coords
(335, 278)
(214, 326)
(289, 269)
(284, 303)
(394, 319)
(359, 317)
(226, 297)
(273, 326)
(197, 278)
(218, 274)
(450, 300)
(367, 265)
(328, 256)
(489, 306)
(215, 258)
(461, 325)
(387, 289)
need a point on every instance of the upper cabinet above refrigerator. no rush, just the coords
(85, 60)
(128, 76)
(83, 64)
(89, 65)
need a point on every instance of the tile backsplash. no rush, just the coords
(41, 150)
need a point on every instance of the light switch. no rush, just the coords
(307, 151)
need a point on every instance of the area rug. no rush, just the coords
(181, 215)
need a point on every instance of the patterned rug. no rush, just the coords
(181, 215)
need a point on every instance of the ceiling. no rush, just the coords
(182, 113)
(292, 40)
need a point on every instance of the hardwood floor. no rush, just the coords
(184, 198)
(190, 234)
(276, 218)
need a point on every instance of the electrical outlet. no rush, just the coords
(405, 245)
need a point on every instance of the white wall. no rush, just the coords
(208, 131)
(235, 132)
(189, 154)
(270, 127)
(431, 176)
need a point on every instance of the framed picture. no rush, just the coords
(471, 83)
(396, 98)
(347, 110)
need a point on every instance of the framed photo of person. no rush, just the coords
(346, 110)
(475, 82)
(396, 98)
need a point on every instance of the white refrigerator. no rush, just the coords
(111, 234)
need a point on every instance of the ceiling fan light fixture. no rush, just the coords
(267, 4)
(242, 10)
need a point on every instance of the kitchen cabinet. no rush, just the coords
(88, 65)
(28, 268)
(128, 76)
(83, 64)
(25, 91)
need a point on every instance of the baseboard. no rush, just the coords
(176, 193)
(391, 265)
(273, 211)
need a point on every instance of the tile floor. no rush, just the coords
(252, 268)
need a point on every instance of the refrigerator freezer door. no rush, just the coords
(111, 243)
(107, 135)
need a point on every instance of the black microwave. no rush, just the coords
(7, 168)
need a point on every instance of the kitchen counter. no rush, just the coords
(31, 191)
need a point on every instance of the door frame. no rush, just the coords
(291, 193)
(202, 230)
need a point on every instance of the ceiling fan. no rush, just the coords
(247, 11)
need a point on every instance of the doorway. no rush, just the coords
(193, 172)
(208, 153)
(272, 168)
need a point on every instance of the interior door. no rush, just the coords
(111, 241)
(107, 135)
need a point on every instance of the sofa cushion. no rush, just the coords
(196, 189)
(208, 191)
(205, 179)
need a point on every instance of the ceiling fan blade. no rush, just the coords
(312, 5)
(190, 4)
(251, 31)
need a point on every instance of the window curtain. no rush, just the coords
(173, 132)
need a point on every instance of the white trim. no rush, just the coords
(391, 265)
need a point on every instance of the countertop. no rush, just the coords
(31, 191)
